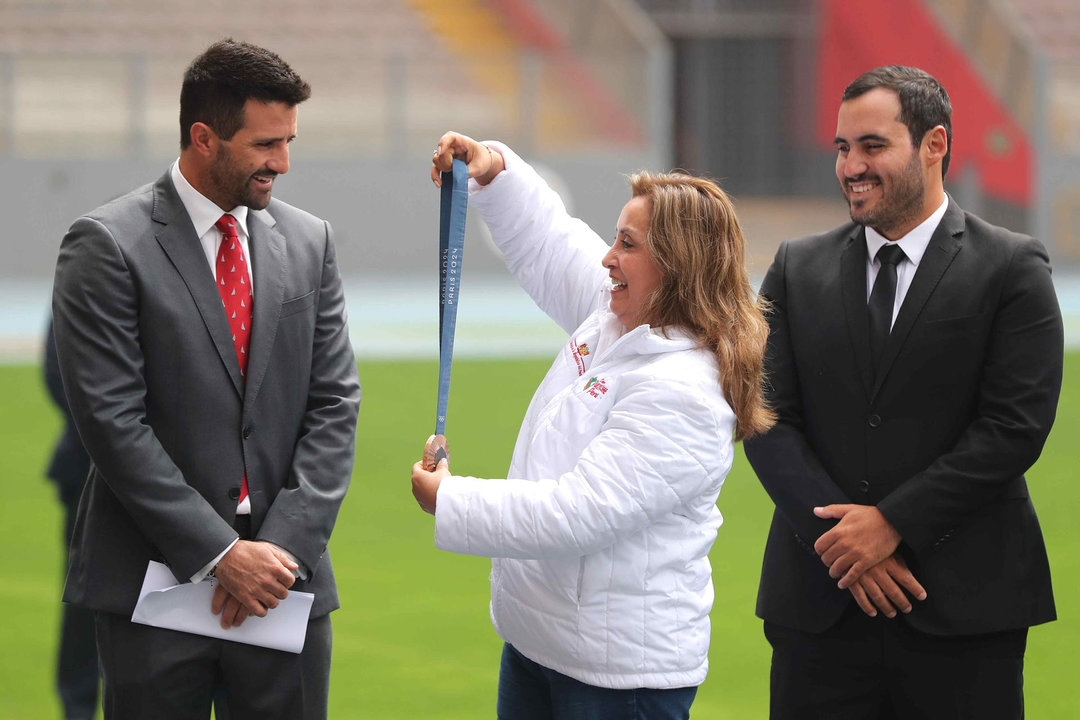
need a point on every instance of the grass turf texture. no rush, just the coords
(413, 639)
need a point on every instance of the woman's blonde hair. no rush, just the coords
(697, 244)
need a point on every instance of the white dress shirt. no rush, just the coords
(204, 212)
(913, 244)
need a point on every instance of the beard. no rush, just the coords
(234, 184)
(901, 199)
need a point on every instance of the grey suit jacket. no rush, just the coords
(154, 386)
(70, 464)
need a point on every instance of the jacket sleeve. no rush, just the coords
(95, 317)
(555, 258)
(783, 458)
(303, 514)
(661, 447)
(1018, 395)
(51, 367)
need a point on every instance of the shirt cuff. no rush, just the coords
(300, 572)
(205, 570)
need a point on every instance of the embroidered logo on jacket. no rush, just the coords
(596, 387)
(579, 351)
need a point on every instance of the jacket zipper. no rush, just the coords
(580, 580)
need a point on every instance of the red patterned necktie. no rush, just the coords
(235, 289)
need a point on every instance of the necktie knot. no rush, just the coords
(227, 225)
(890, 254)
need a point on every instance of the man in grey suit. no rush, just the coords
(914, 363)
(221, 424)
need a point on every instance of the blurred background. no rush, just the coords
(743, 90)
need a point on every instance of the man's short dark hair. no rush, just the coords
(924, 104)
(219, 82)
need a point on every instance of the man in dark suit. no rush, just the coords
(76, 661)
(203, 346)
(914, 388)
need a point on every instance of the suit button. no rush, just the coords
(234, 493)
(864, 486)
(247, 432)
(873, 420)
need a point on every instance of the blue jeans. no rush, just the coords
(528, 691)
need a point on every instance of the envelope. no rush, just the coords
(165, 602)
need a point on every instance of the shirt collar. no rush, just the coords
(203, 211)
(913, 244)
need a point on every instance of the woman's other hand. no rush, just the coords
(425, 482)
(484, 163)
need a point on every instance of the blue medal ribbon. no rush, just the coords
(455, 201)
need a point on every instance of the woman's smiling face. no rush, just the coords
(633, 271)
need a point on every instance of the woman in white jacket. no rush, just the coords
(601, 585)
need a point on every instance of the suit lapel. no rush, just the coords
(944, 244)
(176, 235)
(853, 280)
(268, 257)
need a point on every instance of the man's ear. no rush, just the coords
(203, 139)
(936, 145)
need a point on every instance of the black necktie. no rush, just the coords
(880, 307)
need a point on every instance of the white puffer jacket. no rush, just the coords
(600, 536)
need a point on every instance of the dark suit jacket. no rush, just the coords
(939, 440)
(154, 386)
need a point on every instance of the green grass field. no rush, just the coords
(413, 640)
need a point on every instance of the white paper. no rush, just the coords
(165, 602)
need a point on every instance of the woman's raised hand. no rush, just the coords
(484, 163)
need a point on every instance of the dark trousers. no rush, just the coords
(76, 659)
(864, 668)
(151, 672)
(528, 691)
